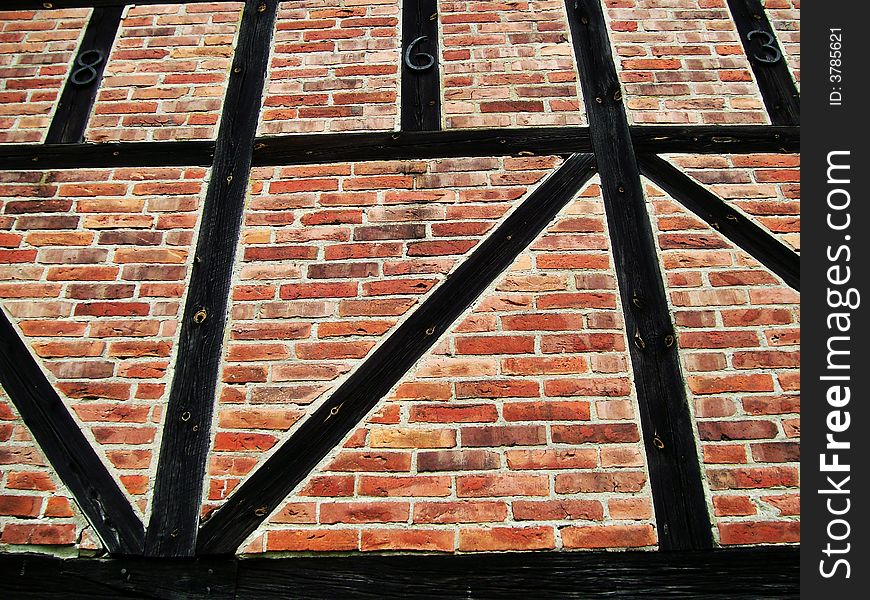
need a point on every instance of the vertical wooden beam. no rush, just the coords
(758, 242)
(187, 422)
(83, 82)
(66, 448)
(668, 432)
(264, 490)
(421, 83)
(768, 62)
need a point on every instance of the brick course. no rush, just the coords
(334, 67)
(167, 74)
(508, 64)
(36, 50)
(681, 61)
(93, 268)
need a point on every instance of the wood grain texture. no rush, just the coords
(60, 4)
(261, 493)
(187, 422)
(421, 90)
(681, 515)
(74, 107)
(736, 574)
(66, 448)
(107, 155)
(775, 82)
(731, 223)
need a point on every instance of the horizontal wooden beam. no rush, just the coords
(733, 574)
(68, 451)
(725, 219)
(61, 4)
(264, 490)
(109, 155)
(394, 145)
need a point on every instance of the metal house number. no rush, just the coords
(769, 54)
(86, 73)
(430, 60)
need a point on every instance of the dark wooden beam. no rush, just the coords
(768, 62)
(731, 223)
(187, 422)
(66, 448)
(668, 432)
(734, 574)
(421, 82)
(83, 80)
(326, 148)
(109, 155)
(263, 491)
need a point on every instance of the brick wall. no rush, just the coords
(508, 64)
(332, 257)
(518, 431)
(334, 67)
(681, 61)
(93, 265)
(785, 17)
(738, 330)
(167, 73)
(36, 49)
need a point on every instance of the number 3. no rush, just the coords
(768, 44)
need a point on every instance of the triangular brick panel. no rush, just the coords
(35, 508)
(785, 18)
(765, 187)
(518, 431)
(682, 63)
(332, 258)
(93, 272)
(738, 330)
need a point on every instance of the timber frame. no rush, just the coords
(184, 549)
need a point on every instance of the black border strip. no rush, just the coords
(74, 107)
(326, 148)
(732, 574)
(755, 240)
(775, 81)
(188, 418)
(62, 4)
(263, 491)
(682, 518)
(66, 448)
(421, 89)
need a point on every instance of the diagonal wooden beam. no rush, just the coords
(731, 223)
(768, 62)
(421, 82)
(83, 82)
(252, 502)
(681, 514)
(66, 448)
(187, 422)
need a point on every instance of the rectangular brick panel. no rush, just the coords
(511, 446)
(681, 61)
(93, 269)
(167, 74)
(738, 330)
(334, 67)
(508, 65)
(37, 48)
